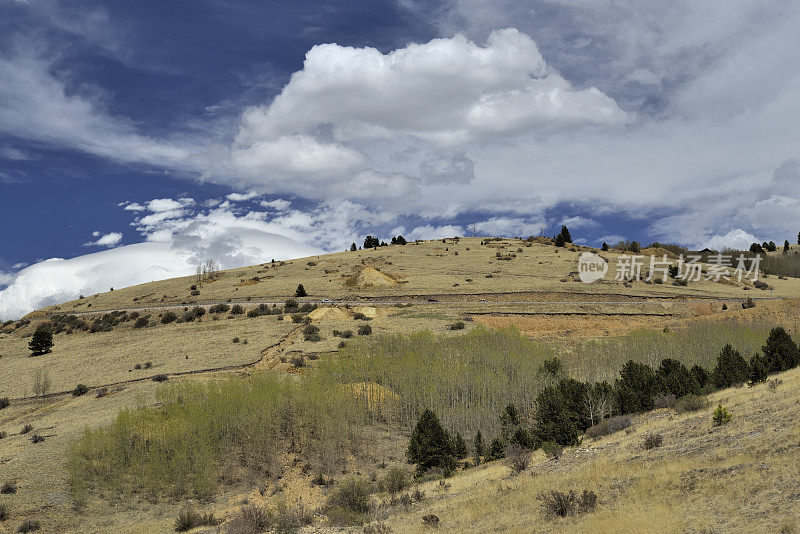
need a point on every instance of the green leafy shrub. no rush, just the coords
(458, 325)
(721, 416)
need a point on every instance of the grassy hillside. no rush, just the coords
(741, 477)
(467, 266)
(313, 352)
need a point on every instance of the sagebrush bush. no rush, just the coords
(364, 330)
(552, 449)
(351, 495)
(80, 389)
(691, 403)
(4, 513)
(29, 525)
(188, 519)
(652, 440)
(561, 504)
(168, 317)
(664, 400)
(250, 519)
(395, 480)
(237, 309)
(606, 427)
(8, 488)
(518, 457)
(5, 402)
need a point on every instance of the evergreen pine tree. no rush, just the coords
(41, 342)
(604, 248)
(300, 291)
(731, 368)
(701, 375)
(781, 352)
(566, 235)
(635, 387)
(459, 447)
(480, 448)
(553, 419)
(497, 449)
(430, 444)
(786, 246)
(759, 369)
(673, 377)
(353, 247)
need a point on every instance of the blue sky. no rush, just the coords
(133, 124)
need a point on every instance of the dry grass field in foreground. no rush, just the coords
(740, 477)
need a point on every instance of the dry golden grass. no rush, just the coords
(742, 477)
(430, 268)
(109, 357)
(738, 478)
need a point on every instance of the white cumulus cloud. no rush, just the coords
(352, 111)
(105, 240)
